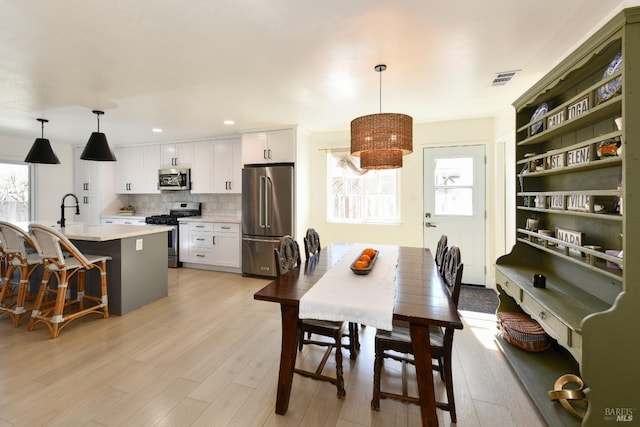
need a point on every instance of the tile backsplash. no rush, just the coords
(212, 204)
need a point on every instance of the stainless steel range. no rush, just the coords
(178, 210)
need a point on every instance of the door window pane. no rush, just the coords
(454, 186)
(14, 192)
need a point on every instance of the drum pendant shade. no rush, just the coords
(380, 140)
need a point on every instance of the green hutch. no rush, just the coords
(577, 172)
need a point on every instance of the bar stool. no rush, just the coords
(20, 255)
(51, 244)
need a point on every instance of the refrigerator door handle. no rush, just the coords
(249, 239)
(261, 202)
(268, 186)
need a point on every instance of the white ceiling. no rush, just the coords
(186, 66)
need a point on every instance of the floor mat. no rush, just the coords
(478, 299)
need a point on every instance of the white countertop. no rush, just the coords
(101, 233)
(211, 218)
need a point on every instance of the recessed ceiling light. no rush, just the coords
(156, 130)
(229, 122)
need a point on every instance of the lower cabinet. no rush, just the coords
(127, 220)
(210, 245)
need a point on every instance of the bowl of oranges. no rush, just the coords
(364, 263)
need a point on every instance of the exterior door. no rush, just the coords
(454, 204)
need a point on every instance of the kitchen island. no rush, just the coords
(137, 273)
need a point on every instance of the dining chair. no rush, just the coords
(441, 250)
(287, 257)
(396, 344)
(21, 256)
(63, 260)
(311, 243)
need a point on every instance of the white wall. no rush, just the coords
(409, 232)
(51, 181)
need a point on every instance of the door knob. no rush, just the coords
(428, 224)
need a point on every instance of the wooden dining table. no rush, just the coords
(421, 298)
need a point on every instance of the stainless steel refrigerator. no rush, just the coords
(267, 214)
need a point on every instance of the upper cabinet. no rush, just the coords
(276, 146)
(227, 166)
(201, 168)
(180, 154)
(137, 169)
(217, 166)
(577, 166)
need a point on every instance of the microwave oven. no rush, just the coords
(174, 179)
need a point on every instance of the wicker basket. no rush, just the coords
(523, 331)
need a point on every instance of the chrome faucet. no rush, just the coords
(62, 206)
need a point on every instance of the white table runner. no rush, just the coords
(341, 295)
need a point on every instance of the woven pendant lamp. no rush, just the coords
(380, 140)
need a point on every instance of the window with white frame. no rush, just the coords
(359, 196)
(15, 188)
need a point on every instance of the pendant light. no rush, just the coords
(380, 140)
(41, 151)
(97, 147)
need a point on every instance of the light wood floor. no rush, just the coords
(208, 354)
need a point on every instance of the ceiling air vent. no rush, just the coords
(503, 77)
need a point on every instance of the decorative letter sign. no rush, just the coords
(577, 109)
(578, 202)
(556, 120)
(579, 156)
(570, 236)
(555, 161)
(556, 202)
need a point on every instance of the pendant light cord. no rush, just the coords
(379, 69)
(380, 91)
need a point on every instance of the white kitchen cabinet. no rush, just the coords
(226, 244)
(276, 146)
(180, 154)
(210, 245)
(201, 168)
(93, 185)
(217, 167)
(137, 169)
(122, 219)
(183, 242)
(227, 166)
